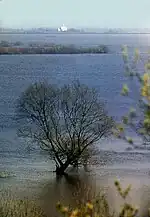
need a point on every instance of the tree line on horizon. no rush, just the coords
(48, 48)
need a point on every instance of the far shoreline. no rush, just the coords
(9, 48)
(50, 54)
(73, 33)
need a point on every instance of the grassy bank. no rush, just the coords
(35, 48)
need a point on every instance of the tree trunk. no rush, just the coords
(60, 170)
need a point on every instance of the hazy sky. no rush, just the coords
(75, 13)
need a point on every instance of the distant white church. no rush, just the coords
(63, 28)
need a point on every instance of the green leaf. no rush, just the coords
(147, 123)
(125, 90)
(125, 53)
(147, 66)
(129, 139)
(120, 128)
(147, 113)
(136, 55)
(132, 112)
(141, 131)
(126, 192)
(125, 119)
(116, 183)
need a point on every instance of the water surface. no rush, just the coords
(105, 73)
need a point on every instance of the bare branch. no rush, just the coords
(64, 121)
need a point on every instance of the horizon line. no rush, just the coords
(85, 27)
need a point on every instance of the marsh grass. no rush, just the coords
(96, 207)
(20, 208)
(99, 206)
(12, 206)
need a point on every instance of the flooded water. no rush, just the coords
(33, 170)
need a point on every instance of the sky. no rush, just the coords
(75, 13)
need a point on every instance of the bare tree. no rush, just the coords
(65, 121)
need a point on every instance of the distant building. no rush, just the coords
(63, 28)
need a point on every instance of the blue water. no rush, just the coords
(104, 72)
